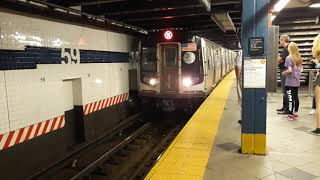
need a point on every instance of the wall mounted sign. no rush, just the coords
(256, 46)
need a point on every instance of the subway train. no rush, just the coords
(61, 85)
(178, 70)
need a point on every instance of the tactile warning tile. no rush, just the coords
(194, 143)
(175, 176)
(187, 156)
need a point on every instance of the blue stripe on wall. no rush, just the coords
(31, 56)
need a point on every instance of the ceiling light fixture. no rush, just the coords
(280, 5)
(315, 4)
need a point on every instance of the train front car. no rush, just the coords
(172, 72)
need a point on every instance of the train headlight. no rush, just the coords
(152, 81)
(187, 82)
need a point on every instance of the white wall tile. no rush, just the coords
(119, 42)
(4, 121)
(31, 100)
(18, 31)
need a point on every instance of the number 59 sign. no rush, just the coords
(70, 56)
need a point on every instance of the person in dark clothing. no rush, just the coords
(316, 55)
(284, 42)
(314, 106)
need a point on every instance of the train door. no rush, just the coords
(205, 65)
(213, 65)
(229, 60)
(169, 60)
(222, 62)
(208, 74)
(218, 64)
(226, 61)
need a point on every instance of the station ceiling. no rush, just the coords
(297, 10)
(154, 15)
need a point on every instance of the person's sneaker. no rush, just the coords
(292, 117)
(312, 112)
(283, 112)
(315, 132)
(281, 109)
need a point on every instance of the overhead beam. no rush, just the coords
(166, 18)
(169, 7)
(224, 2)
(297, 13)
(99, 2)
(162, 13)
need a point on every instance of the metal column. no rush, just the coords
(272, 65)
(254, 24)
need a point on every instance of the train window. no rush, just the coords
(148, 61)
(170, 56)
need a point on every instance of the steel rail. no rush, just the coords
(90, 168)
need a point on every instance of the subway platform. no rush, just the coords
(210, 150)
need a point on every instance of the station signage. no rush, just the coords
(256, 46)
(254, 72)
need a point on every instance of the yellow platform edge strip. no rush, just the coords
(188, 154)
(254, 144)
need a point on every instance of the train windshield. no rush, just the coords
(148, 61)
(171, 56)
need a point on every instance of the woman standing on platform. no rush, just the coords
(292, 73)
(316, 55)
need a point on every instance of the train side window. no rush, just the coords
(148, 59)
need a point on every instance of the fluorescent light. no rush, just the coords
(98, 81)
(315, 5)
(280, 5)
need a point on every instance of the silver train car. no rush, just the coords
(178, 70)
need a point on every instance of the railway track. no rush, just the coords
(126, 156)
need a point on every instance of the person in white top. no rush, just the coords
(238, 64)
(238, 69)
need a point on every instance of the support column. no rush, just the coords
(254, 101)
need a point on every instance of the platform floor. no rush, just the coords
(292, 152)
